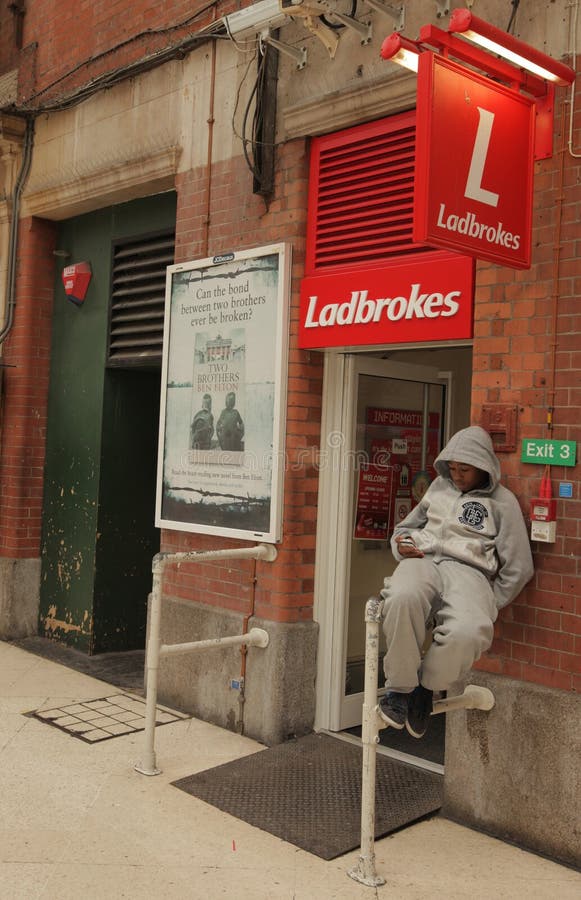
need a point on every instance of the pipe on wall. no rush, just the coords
(13, 238)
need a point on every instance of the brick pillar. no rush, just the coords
(26, 363)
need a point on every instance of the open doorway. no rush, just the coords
(397, 410)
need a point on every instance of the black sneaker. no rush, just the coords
(393, 709)
(419, 711)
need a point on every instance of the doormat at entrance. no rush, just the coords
(308, 792)
(108, 717)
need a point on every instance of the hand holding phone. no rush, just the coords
(407, 547)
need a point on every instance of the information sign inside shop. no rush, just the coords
(395, 478)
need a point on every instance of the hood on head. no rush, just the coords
(472, 446)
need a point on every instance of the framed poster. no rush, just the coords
(223, 395)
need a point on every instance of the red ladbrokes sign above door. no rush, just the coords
(474, 164)
(428, 298)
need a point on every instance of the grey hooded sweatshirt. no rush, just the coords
(483, 528)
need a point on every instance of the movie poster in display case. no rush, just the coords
(223, 395)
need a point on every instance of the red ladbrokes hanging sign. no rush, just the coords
(428, 298)
(474, 164)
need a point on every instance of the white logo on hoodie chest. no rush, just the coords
(473, 515)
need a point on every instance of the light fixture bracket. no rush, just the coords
(544, 115)
(298, 54)
(542, 92)
(493, 40)
(396, 13)
(363, 29)
(405, 52)
(450, 45)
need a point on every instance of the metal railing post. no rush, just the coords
(365, 872)
(473, 697)
(256, 637)
(147, 765)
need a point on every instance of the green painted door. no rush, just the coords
(99, 484)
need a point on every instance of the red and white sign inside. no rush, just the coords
(428, 298)
(474, 164)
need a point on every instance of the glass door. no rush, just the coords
(400, 426)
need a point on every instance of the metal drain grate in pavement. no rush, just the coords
(308, 792)
(105, 718)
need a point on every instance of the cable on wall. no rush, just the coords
(13, 236)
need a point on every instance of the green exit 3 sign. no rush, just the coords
(553, 453)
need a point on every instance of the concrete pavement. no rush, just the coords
(78, 821)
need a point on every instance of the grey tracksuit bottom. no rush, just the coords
(457, 599)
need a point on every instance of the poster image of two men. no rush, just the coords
(218, 393)
(229, 430)
(221, 424)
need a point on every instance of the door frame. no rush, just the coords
(335, 514)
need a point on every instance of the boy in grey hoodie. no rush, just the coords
(463, 554)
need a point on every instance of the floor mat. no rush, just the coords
(105, 718)
(308, 792)
(430, 747)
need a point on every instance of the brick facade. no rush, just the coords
(526, 351)
(71, 44)
(282, 591)
(139, 129)
(26, 361)
(526, 345)
(8, 39)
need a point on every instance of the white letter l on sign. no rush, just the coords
(474, 189)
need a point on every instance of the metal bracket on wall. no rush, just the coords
(500, 421)
(396, 13)
(544, 117)
(363, 29)
(299, 54)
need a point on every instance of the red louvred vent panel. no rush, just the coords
(361, 195)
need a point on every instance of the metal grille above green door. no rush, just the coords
(137, 299)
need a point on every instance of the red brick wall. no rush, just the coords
(538, 638)
(517, 337)
(8, 49)
(26, 360)
(280, 591)
(78, 41)
(528, 326)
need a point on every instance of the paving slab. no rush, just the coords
(78, 820)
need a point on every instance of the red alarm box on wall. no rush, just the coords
(543, 511)
(76, 280)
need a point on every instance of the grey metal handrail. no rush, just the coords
(256, 637)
